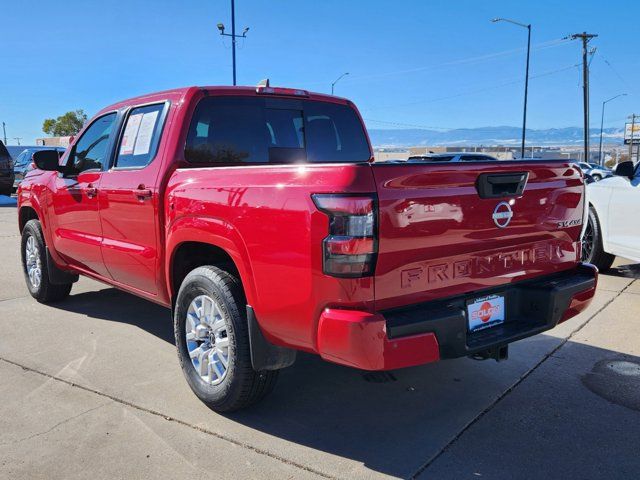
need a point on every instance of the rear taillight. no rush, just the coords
(351, 246)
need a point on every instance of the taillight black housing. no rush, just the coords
(349, 251)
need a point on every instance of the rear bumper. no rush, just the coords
(431, 331)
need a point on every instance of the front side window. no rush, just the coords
(91, 150)
(256, 130)
(141, 137)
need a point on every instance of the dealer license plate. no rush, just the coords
(485, 312)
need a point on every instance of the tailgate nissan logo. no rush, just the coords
(502, 214)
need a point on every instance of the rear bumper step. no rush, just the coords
(427, 332)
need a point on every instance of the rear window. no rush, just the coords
(256, 130)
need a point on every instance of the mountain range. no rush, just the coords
(489, 136)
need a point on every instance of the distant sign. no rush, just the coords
(627, 133)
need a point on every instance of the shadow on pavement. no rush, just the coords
(394, 428)
(393, 423)
(629, 271)
(115, 306)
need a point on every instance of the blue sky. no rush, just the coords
(426, 63)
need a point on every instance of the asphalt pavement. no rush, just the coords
(91, 388)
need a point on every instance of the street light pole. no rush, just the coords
(526, 78)
(4, 131)
(337, 80)
(233, 36)
(602, 125)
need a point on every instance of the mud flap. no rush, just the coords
(265, 355)
(57, 276)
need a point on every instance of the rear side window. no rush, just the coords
(140, 137)
(256, 130)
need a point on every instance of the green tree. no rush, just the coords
(65, 125)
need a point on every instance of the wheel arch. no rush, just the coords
(602, 225)
(206, 241)
(26, 213)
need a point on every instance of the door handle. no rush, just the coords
(143, 193)
(90, 191)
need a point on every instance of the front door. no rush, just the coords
(624, 227)
(77, 234)
(129, 201)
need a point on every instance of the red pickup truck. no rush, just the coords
(260, 218)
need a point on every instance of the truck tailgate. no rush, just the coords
(451, 229)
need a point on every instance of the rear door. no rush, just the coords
(440, 235)
(129, 200)
(77, 233)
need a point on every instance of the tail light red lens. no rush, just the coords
(351, 246)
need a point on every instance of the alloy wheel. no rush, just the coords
(33, 262)
(587, 241)
(207, 336)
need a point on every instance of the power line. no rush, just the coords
(481, 90)
(469, 60)
(490, 56)
(620, 77)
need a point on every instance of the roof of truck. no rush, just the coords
(179, 93)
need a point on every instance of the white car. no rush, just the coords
(612, 228)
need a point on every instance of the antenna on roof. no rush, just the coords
(263, 83)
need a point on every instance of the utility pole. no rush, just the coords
(4, 131)
(233, 36)
(633, 117)
(17, 139)
(585, 37)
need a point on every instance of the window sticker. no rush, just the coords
(130, 133)
(145, 133)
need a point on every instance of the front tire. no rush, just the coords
(592, 250)
(34, 266)
(596, 177)
(211, 332)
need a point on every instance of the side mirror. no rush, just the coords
(47, 160)
(625, 169)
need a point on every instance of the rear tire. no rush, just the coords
(596, 177)
(592, 250)
(34, 266)
(216, 358)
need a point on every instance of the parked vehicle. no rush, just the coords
(595, 171)
(452, 157)
(258, 216)
(24, 162)
(6, 171)
(612, 228)
(599, 172)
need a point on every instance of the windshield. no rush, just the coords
(257, 130)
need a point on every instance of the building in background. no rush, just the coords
(53, 141)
